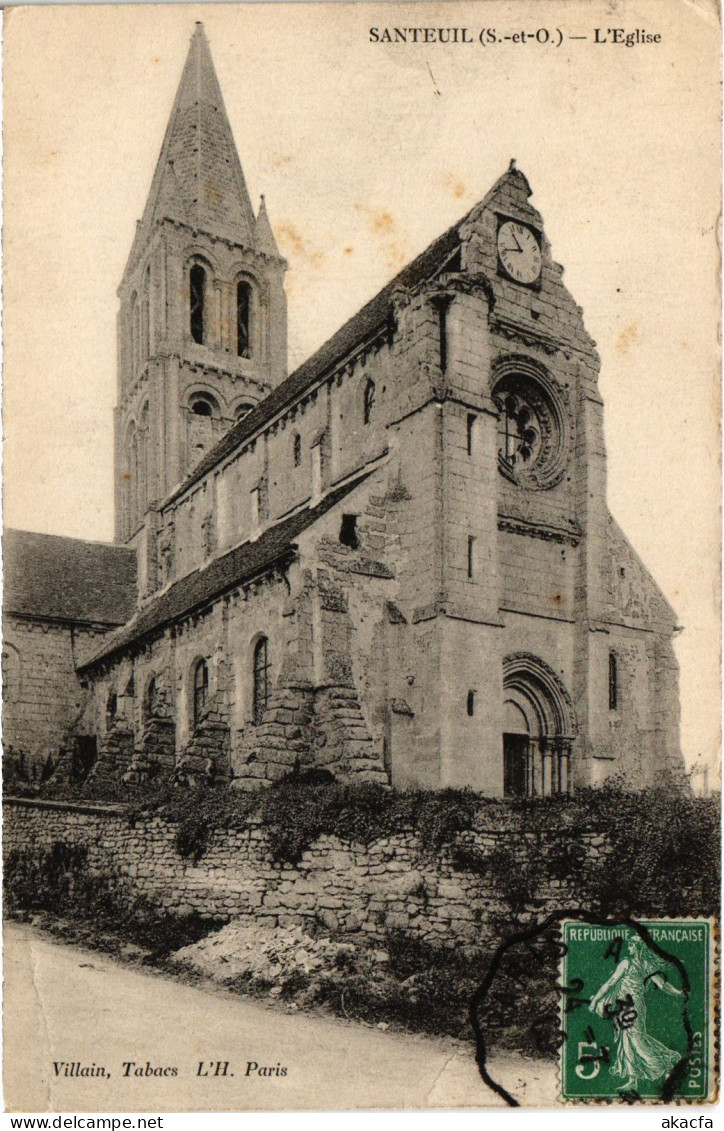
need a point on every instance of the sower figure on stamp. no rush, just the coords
(622, 999)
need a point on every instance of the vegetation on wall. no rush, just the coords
(56, 882)
(657, 854)
(294, 814)
(662, 844)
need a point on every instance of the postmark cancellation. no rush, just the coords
(637, 1011)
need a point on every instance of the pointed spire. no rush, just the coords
(198, 178)
(264, 240)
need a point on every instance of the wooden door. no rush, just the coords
(515, 765)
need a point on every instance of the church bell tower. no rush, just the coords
(202, 321)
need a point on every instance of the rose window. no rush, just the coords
(532, 431)
(519, 433)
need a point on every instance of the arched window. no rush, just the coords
(471, 431)
(201, 690)
(442, 309)
(471, 556)
(152, 698)
(142, 454)
(317, 470)
(243, 409)
(243, 319)
(612, 681)
(369, 400)
(135, 334)
(297, 449)
(203, 410)
(261, 678)
(128, 480)
(111, 708)
(146, 316)
(201, 407)
(133, 455)
(197, 292)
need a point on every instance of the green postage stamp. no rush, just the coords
(636, 1010)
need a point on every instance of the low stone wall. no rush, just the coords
(347, 887)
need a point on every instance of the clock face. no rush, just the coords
(519, 252)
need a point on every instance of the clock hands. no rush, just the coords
(517, 249)
(514, 239)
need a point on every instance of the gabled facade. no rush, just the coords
(399, 564)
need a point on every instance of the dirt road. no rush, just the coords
(164, 1046)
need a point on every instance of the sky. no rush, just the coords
(365, 153)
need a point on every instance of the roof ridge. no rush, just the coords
(368, 318)
(212, 580)
(13, 531)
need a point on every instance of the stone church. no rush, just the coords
(396, 564)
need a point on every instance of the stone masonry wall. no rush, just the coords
(351, 888)
(42, 695)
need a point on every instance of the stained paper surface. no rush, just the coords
(370, 129)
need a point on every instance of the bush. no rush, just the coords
(200, 812)
(663, 844)
(664, 852)
(53, 880)
(521, 1010)
(57, 883)
(295, 813)
(421, 987)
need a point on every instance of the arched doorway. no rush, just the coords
(539, 728)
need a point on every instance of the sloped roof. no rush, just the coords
(511, 190)
(203, 585)
(371, 317)
(68, 579)
(645, 583)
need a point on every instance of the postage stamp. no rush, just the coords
(636, 1010)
